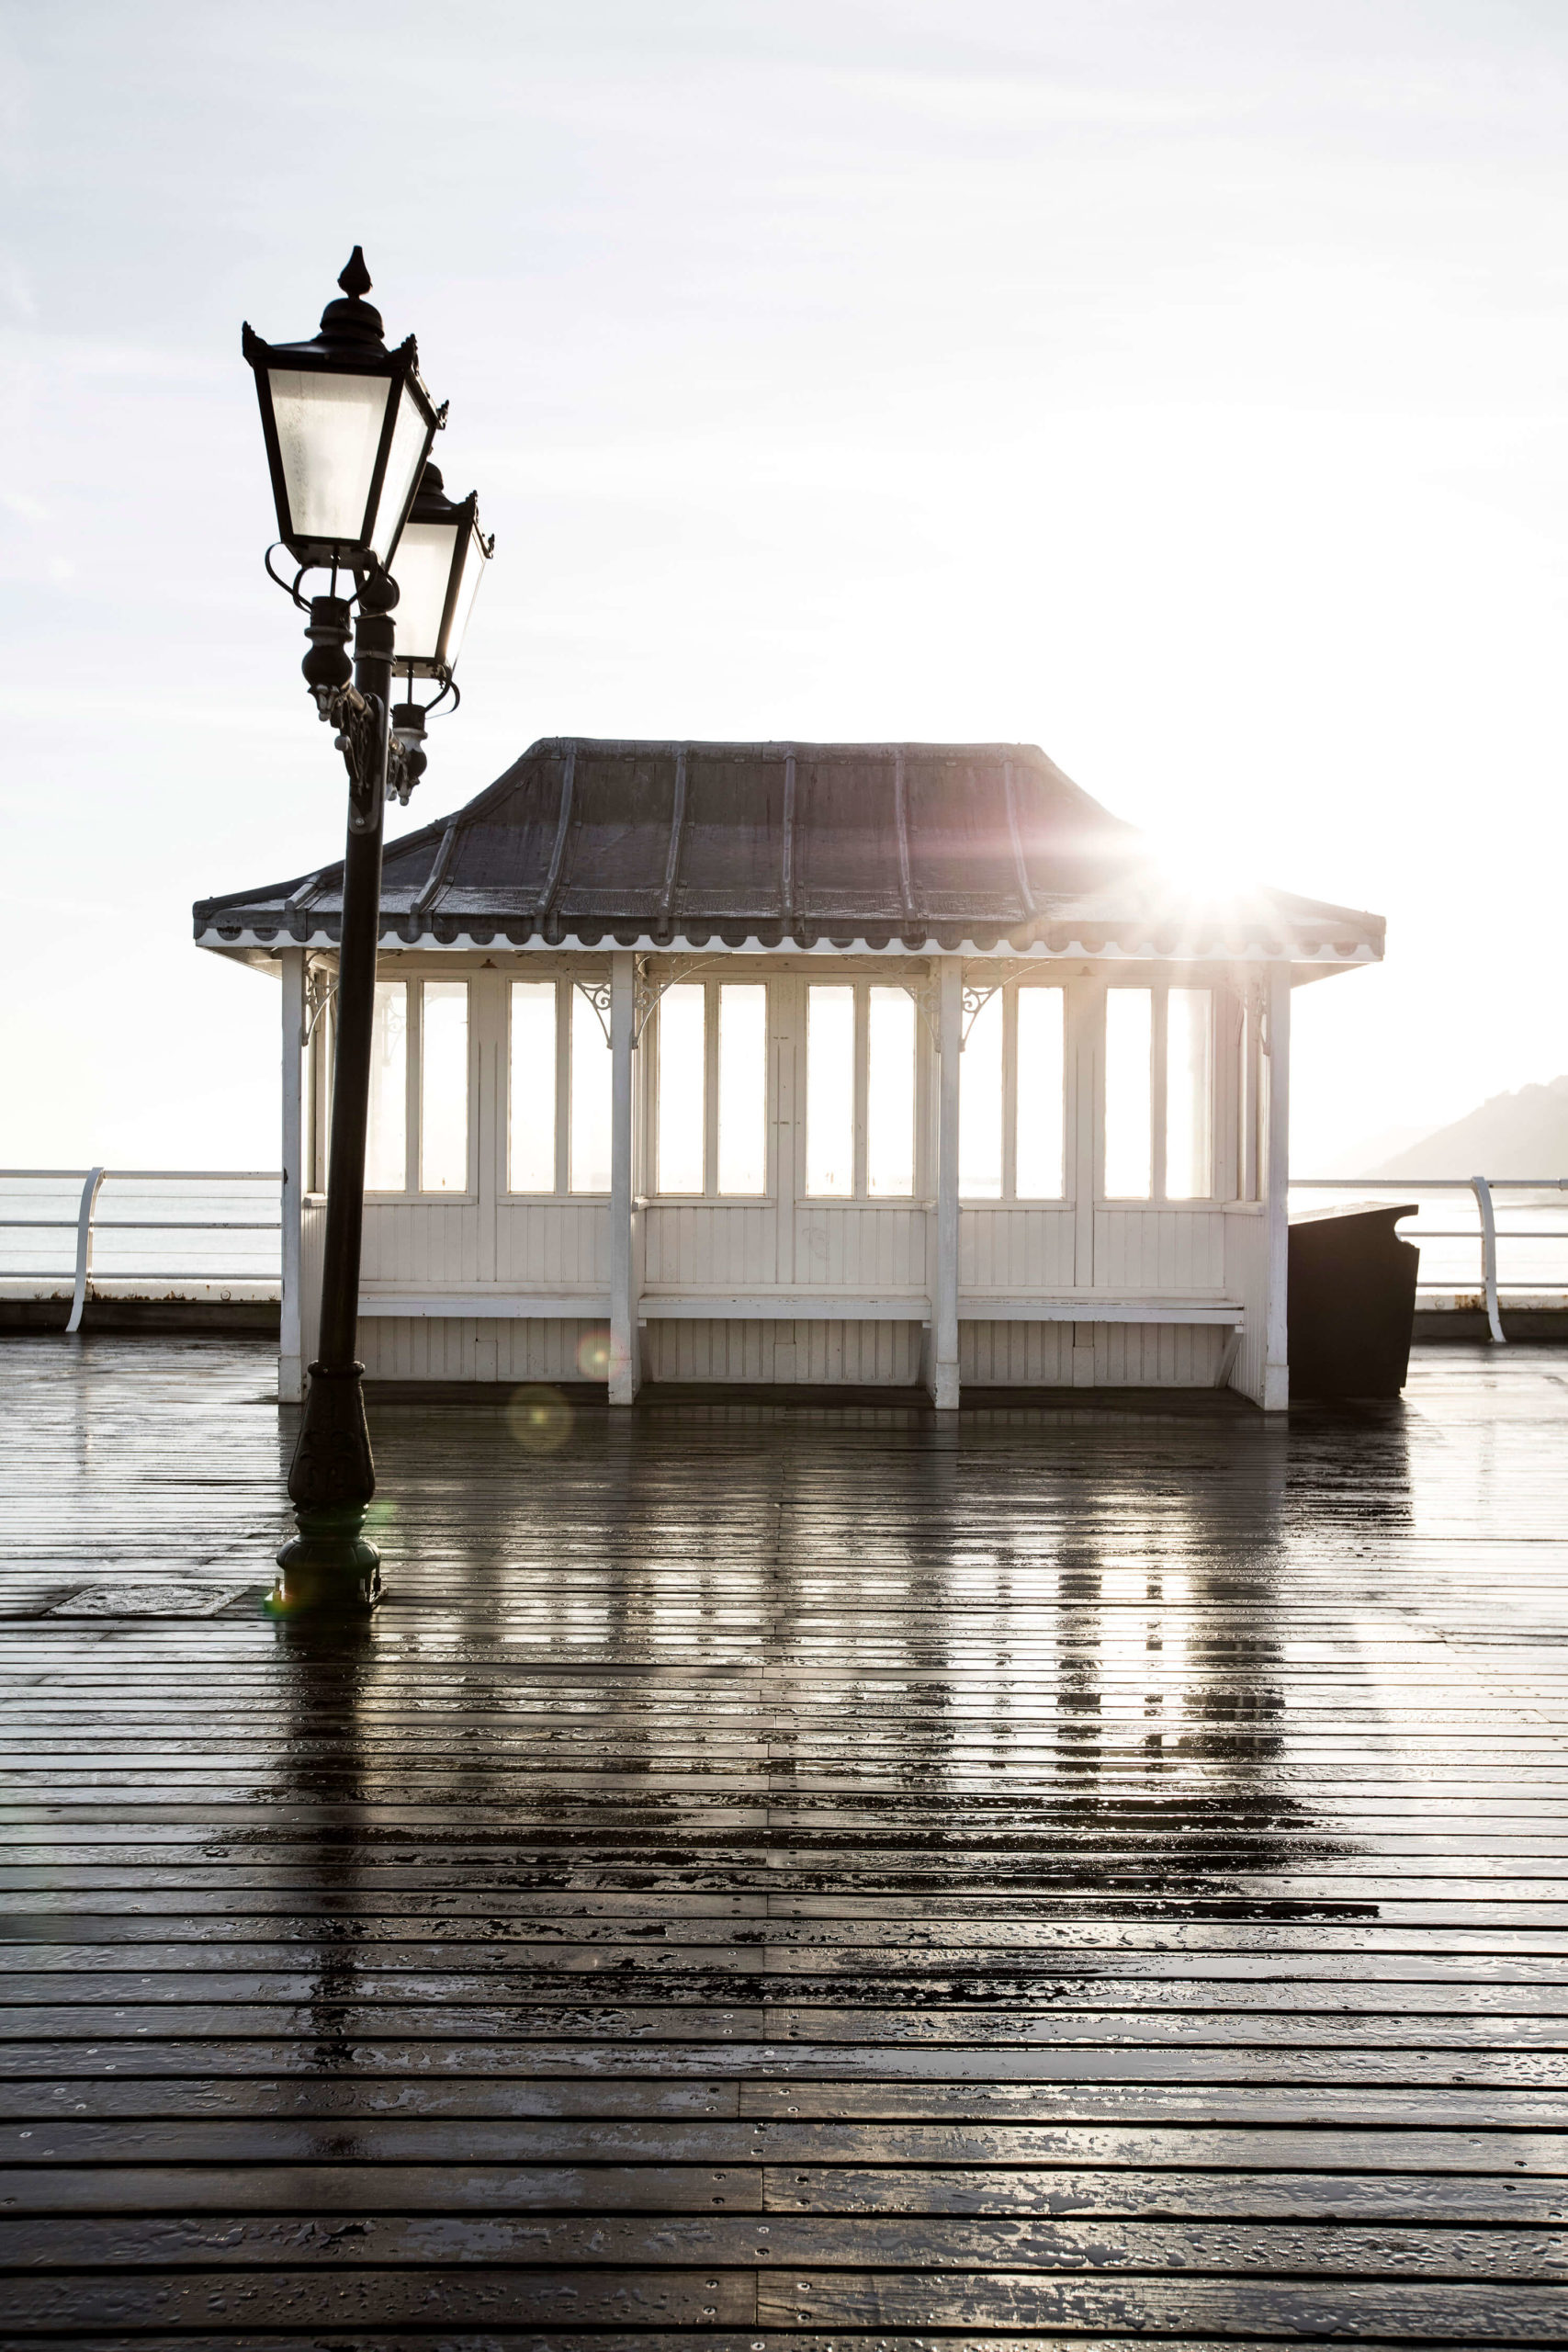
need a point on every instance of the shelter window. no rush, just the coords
(860, 1076)
(831, 1091)
(1040, 1062)
(980, 1105)
(533, 1056)
(590, 1081)
(710, 1124)
(890, 1093)
(1189, 1093)
(742, 1087)
(1012, 1097)
(386, 1140)
(682, 1087)
(559, 1083)
(444, 1086)
(1159, 1085)
(418, 1109)
(1128, 1094)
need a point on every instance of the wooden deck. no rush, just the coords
(787, 1874)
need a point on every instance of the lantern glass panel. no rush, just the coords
(405, 463)
(329, 429)
(422, 571)
(474, 561)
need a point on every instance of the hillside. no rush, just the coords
(1513, 1135)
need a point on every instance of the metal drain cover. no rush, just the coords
(147, 1601)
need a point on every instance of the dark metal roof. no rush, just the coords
(916, 846)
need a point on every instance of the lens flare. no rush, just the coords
(594, 1355)
(540, 1419)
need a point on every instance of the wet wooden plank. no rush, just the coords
(464, 2295)
(895, 2144)
(1493, 2313)
(1456, 2115)
(188, 2241)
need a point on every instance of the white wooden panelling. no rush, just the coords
(1008, 1248)
(813, 1353)
(414, 1242)
(854, 1245)
(549, 1245)
(1144, 1355)
(1130, 1355)
(550, 1350)
(1016, 1355)
(1154, 1250)
(438, 1348)
(693, 1245)
(1247, 1278)
(809, 1352)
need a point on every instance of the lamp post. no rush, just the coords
(348, 426)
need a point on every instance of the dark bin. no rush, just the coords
(1351, 1301)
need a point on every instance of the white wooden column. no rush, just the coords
(942, 1362)
(625, 1370)
(290, 1358)
(1085, 1032)
(1276, 1364)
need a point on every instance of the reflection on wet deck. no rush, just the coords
(788, 1874)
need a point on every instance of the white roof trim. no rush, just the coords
(1143, 952)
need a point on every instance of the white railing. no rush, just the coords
(1486, 1233)
(87, 1223)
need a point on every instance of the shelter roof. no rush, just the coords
(913, 848)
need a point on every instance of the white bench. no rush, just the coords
(799, 1305)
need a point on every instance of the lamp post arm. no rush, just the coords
(380, 767)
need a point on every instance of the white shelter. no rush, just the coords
(806, 1063)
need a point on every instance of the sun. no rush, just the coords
(1199, 865)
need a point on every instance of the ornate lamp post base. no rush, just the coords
(329, 1565)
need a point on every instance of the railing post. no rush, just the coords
(1482, 1191)
(84, 1247)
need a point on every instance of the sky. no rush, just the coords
(1176, 384)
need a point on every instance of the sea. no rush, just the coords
(155, 1235)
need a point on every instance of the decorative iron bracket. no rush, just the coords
(381, 750)
(977, 994)
(598, 993)
(378, 765)
(1257, 1006)
(924, 992)
(318, 993)
(649, 990)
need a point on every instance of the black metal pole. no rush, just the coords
(332, 1476)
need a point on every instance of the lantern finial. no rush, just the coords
(354, 277)
(351, 318)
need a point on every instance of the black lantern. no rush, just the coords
(348, 427)
(440, 562)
